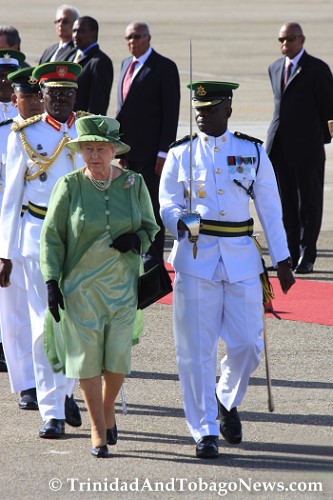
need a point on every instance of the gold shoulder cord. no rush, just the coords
(43, 162)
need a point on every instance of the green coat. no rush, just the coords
(69, 227)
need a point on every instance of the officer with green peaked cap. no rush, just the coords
(56, 74)
(211, 93)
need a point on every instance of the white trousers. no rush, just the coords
(16, 331)
(51, 387)
(204, 311)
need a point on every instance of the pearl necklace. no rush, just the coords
(102, 185)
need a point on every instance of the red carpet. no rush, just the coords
(307, 301)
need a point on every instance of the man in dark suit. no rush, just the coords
(65, 17)
(303, 98)
(148, 109)
(96, 78)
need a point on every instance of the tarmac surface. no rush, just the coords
(285, 454)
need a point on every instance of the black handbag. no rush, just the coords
(153, 285)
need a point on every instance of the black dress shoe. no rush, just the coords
(3, 364)
(100, 451)
(304, 267)
(52, 429)
(207, 447)
(28, 400)
(230, 424)
(112, 435)
(72, 412)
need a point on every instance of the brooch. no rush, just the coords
(129, 181)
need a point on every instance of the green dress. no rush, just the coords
(99, 283)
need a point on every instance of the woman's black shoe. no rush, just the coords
(112, 435)
(100, 451)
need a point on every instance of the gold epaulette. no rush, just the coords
(246, 137)
(29, 121)
(80, 113)
(184, 139)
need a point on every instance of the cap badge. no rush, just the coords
(201, 91)
(32, 80)
(62, 71)
(6, 57)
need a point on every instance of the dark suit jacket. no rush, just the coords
(95, 82)
(149, 115)
(302, 109)
(65, 56)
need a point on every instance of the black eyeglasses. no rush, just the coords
(58, 92)
(63, 21)
(134, 37)
(290, 38)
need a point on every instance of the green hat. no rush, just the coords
(11, 58)
(57, 74)
(211, 93)
(23, 80)
(98, 128)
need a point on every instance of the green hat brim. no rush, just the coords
(119, 147)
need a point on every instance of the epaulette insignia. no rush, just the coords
(6, 122)
(240, 135)
(29, 121)
(184, 139)
(80, 113)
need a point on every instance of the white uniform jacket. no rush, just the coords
(44, 137)
(217, 161)
(7, 110)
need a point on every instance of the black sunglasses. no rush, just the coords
(290, 38)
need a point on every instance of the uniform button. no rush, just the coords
(107, 227)
(222, 212)
(218, 171)
(107, 212)
(220, 191)
(106, 197)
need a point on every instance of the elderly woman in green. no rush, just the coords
(98, 223)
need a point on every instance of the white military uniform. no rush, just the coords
(14, 311)
(44, 137)
(7, 110)
(219, 293)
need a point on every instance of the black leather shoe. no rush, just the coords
(100, 451)
(304, 267)
(112, 435)
(207, 447)
(3, 364)
(52, 429)
(230, 424)
(28, 400)
(72, 412)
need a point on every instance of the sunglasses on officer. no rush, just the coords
(56, 92)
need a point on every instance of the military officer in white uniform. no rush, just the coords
(36, 158)
(10, 60)
(218, 291)
(14, 312)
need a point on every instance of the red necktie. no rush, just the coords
(287, 73)
(128, 78)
